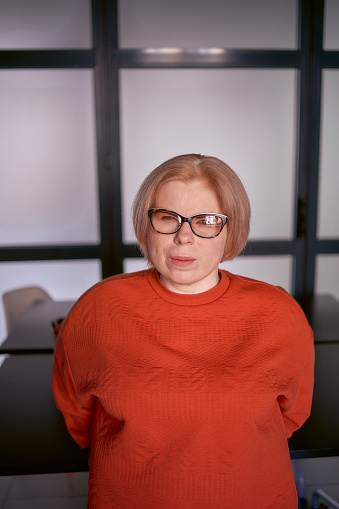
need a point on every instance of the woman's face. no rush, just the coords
(187, 263)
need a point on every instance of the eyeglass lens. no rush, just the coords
(204, 225)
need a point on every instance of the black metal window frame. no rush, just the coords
(107, 59)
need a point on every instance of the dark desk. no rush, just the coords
(322, 312)
(34, 439)
(33, 333)
(319, 436)
(33, 436)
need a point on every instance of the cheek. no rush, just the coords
(150, 249)
(154, 245)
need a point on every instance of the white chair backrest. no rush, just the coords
(16, 302)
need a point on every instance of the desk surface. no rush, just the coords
(322, 312)
(319, 436)
(33, 333)
(34, 438)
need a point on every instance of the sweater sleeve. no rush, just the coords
(296, 410)
(77, 411)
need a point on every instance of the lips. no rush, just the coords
(182, 261)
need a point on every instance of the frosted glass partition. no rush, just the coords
(327, 275)
(328, 224)
(63, 280)
(42, 24)
(48, 167)
(245, 117)
(134, 265)
(331, 24)
(197, 23)
(276, 270)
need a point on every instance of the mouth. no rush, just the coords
(182, 261)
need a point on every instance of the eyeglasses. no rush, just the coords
(207, 225)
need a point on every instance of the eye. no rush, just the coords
(165, 217)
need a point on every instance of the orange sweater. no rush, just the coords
(186, 401)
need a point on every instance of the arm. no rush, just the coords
(296, 411)
(77, 411)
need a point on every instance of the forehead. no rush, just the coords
(187, 198)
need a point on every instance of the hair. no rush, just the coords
(218, 176)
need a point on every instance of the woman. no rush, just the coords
(186, 380)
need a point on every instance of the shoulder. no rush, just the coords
(110, 291)
(117, 282)
(274, 308)
(255, 286)
(267, 297)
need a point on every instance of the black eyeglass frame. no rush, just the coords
(184, 219)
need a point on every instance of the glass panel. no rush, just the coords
(41, 24)
(328, 212)
(134, 265)
(48, 179)
(276, 270)
(63, 280)
(244, 117)
(331, 23)
(327, 275)
(197, 23)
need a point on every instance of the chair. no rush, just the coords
(16, 302)
(321, 499)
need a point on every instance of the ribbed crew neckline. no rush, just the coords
(191, 299)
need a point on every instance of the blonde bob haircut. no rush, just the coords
(218, 176)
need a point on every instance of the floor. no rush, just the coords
(60, 491)
(50, 491)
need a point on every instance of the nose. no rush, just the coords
(184, 235)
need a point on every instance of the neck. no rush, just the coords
(191, 288)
